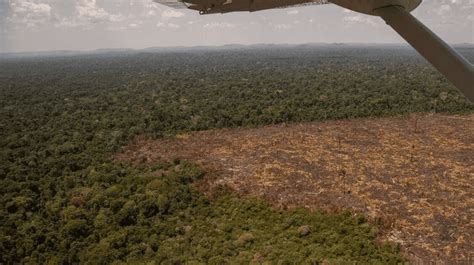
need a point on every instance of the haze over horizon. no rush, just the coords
(219, 46)
(84, 25)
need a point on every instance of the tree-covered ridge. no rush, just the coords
(64, 201)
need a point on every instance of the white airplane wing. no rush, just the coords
(225, 6)
(172, 3)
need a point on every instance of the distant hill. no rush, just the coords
(65, 53)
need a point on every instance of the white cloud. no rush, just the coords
(292, 12)
(151, 13)
(30, 7)
(172, 14)
(167, 25)
(443, 9)
(360, 19)
(174, 26)
(88, 13)
(29, 14)
(282, 27)
(88, 10)
(80, 19)
(447, 15)
(218, 25)
(68, 23)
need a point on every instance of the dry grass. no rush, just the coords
(415, 174)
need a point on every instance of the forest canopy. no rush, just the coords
(65, 200)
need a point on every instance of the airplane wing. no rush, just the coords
(172, 3)
(225, 6)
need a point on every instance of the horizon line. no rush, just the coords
(84, 51)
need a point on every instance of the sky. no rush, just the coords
(48, 25)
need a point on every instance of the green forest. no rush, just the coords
(64, 200)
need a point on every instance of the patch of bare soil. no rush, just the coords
(415, 174)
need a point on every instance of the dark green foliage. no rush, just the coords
(64, 201)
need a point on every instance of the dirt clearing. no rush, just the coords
(414, 174)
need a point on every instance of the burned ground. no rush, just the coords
(414, 175)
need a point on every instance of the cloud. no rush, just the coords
(31, 8)
(451, 19)
(218, 25)
(87, 13)
(151, 13)
(88, 10)
(172, 14)
(135, 25)
(442, 13)
(282, 27)
(165, 18)
(443, 9)
(360, 19)
(167, 25)
(29, 14)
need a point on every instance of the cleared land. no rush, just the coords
(414, 175)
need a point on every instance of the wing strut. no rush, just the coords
(444, 58)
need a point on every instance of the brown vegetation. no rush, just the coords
(414, 175)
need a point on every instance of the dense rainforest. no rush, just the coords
(64, 200)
